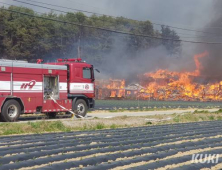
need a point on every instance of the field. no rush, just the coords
(149, 147)
(133, 104)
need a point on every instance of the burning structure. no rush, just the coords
(116, 89)
(110, 89)
(165, 85)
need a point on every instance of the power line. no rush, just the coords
(216, 27)
(43, 13)
(60, 10)
(84, 11)
(55, 6)
(179, 28)
(86, 5)
(14, 5)
(53, 9)
(109, 30)
(193, 36)
(106, 21)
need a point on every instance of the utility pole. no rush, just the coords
(1, 37)
(79, 47)
(79, 44)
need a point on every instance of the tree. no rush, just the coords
(173, 47)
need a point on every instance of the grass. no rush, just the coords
(88, 126)
(148, 123)
(100, 126)
(200, 111)
(139, 110)
(113, 126)
(112, 123)
(197, 116)
(160, 109)
(207, 112)
(32, 127)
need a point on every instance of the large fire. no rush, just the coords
(168, 85)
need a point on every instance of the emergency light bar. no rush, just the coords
(70, 60)
(39, 61)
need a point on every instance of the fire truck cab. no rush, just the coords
(50, 88)
(81, 84)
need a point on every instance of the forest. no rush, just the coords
(28, 38)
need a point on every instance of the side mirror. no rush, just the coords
(97, 71)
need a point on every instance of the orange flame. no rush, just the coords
(111, 88)
(166, 85)
(197, 62)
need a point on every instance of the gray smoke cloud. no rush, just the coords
(212, 64)
(188, 14)
(122, 63)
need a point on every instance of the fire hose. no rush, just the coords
(73, 113)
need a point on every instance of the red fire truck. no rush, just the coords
(47, 88)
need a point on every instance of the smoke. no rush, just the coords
(121, 62)
(187, 13)
(212, 64)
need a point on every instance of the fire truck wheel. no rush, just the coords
(51, 115)
(11, 111)
(80, 108)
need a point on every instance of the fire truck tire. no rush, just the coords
(11, 111)
(80, 108)
(51, 115)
